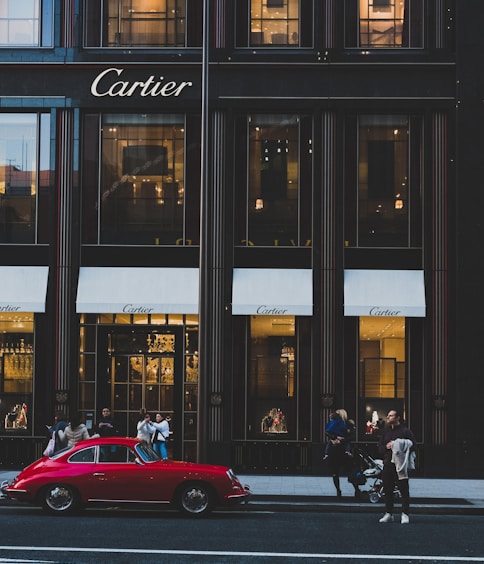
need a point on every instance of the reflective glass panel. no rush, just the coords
(142, 193)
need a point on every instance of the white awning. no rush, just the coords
(384, 293)
(23, 288)
(137, 290)
(266, 291)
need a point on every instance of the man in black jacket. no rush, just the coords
(394, 430)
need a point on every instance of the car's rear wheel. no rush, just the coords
(59, 498)
(195, 499)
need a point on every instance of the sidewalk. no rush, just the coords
(428, 495)
(317, 493)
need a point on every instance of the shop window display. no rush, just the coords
(382, 377)
(16, 371)
(273, 378)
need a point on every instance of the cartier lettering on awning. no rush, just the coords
(137, 290)
(23, 288)
(267, 291)
(384, 293)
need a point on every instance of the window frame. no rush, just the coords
(415, 185)
(44, 28)
(243, 25)
(95, 190)
(247, 206)
(95, 28)
(414, 32)
(40, 178)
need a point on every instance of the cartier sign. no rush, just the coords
(109, 83)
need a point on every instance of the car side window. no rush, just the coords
(116, 454)
(85, 455)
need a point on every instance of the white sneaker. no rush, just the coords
(387, 518)
(405, 519)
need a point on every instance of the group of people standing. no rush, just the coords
(157, 432)
(69, 431)
(396, 447)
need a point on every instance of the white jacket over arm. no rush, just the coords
(403, 457)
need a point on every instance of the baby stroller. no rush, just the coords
(371, 470)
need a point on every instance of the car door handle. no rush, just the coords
(98, 474)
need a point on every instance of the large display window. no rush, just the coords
(382, 372)
(277, 405)
(16, 372)
(134, 185)
(273, 181)
(24, 177)
(386, 211)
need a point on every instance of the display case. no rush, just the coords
(16, 382)
(16, 368)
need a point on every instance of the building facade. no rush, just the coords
(243, 214)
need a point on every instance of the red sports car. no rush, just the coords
(123, 470)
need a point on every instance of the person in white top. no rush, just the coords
(74, 432)
(145, 428)
(161, 435)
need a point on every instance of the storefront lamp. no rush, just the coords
(439, 402)
(327, 400)
(216, 399)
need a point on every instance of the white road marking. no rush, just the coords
(293, 555)
(23, 561)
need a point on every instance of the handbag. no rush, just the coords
(50, 448)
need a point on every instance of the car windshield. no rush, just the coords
(146, 453)
(60, 452)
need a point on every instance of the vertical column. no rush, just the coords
(64, 297)
(328, 256)
(440, 24)
(440, 320)
(220, 24)
(216, 342)
(329, 19)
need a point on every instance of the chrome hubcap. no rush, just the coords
(195, 500)
(59, 498)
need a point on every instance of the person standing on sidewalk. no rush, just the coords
(396, 443)
(161, 435)
(105, 425)
(337, 452)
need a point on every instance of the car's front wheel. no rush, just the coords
(59, 498)
(195, 499)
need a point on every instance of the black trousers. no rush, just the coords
(390, 478)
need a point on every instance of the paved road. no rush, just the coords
(235, 537)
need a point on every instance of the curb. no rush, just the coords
(315, 504)
(430, 507)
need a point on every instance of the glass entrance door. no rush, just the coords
(146, 373)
